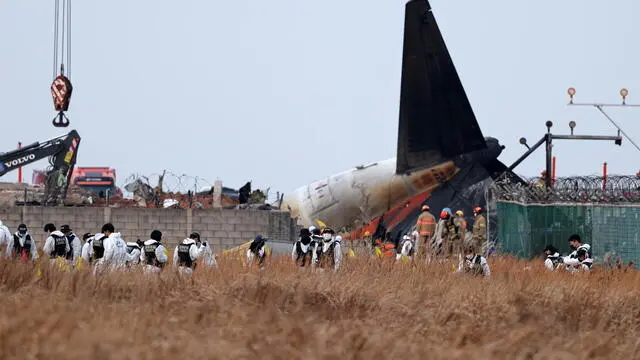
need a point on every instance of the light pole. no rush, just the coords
(547, 139)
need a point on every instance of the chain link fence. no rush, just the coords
(605, 212)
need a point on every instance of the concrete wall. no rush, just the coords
(222, 228)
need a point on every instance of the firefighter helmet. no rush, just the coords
(477, 210)
(327, 233)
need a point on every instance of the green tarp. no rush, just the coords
(524, 230)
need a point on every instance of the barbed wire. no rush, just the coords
(169, 189)
(171, 182)
(574, 189)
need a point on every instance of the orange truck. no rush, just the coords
(95, 179)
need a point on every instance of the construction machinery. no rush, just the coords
(62, 153)
(100, 181)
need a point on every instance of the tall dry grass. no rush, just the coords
(369, 310)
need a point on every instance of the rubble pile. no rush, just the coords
(12, 194)
(144, 196)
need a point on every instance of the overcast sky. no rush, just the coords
(287, 92)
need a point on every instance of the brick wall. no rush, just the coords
(222, 228)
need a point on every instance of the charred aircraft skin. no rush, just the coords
(442, 156)
(359, 195)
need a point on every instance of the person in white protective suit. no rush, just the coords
(56, 246)
(584, 263)
(75, 244)
(112, 248)
(572, 262)
(87, 248)
(473, 264)
(553, 261)
(5, 238)
(301, 254)
(257, 249)
(85, 259)
(21, 245)
(206, 257)
(407, 248)
(134, 252)
(328, 253)
(154, 255)
(187, 253)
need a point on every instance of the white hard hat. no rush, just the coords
(311, 228)
(338, 238)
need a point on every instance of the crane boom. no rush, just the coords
(62, 153)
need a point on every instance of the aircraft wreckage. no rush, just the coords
(443, 159)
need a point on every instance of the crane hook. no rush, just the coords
(63, 120)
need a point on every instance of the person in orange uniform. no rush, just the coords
(425, 227)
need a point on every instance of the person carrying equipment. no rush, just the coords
(186, 254)
(56, 246)
(154, 255)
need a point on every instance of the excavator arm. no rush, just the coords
(62, 153)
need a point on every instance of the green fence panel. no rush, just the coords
(525, 229)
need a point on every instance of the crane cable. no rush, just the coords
(61, 87)
(62, 39)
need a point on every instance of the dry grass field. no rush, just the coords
(370, 310)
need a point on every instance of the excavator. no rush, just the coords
(62, 152)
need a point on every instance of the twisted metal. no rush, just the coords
(575, 189)
(168, 189)
(185, 190)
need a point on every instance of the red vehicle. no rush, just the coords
(98, 180)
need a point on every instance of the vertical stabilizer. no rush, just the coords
(436, 119)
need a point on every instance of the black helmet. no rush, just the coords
(328, 230)
(194, 236)
(305, 232)
(156, 235)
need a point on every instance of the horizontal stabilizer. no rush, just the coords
(436, 120)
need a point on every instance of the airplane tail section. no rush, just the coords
(436, 119)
